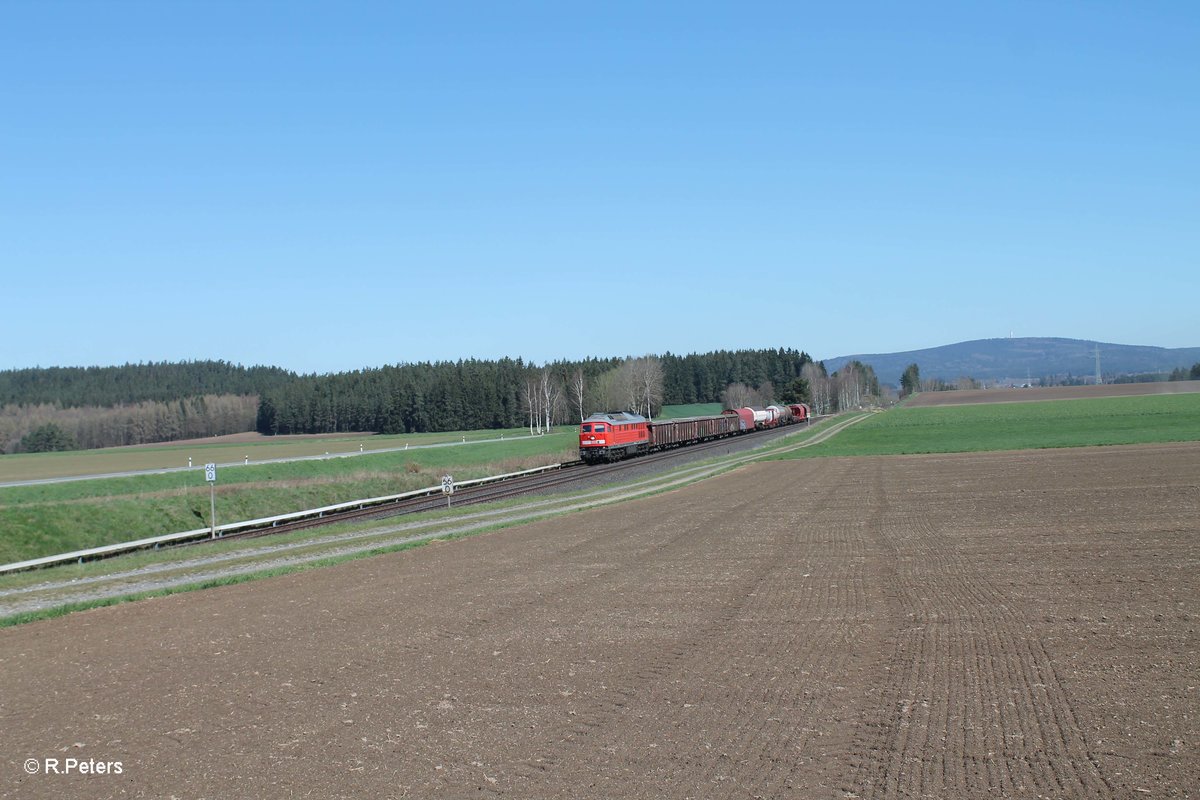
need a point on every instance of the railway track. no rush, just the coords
(626, 480)
(470, 493)
(568, 473)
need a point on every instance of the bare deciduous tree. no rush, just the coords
(550, 395)
(766, 393)
(630, 386)
(606, 391)
(635, 386)
(137, 423)
(531, 401)
(577, 386)
(849, 386)
(818, 387)
(647, 378)
(737, 395)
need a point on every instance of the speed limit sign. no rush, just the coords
(210, 473)
(447, 484)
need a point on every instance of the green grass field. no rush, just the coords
(1019, 426)
(32, 466)
(45, 519)
(53, 518)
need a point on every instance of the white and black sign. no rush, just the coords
(210, 473)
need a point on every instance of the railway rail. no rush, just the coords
(481, 490)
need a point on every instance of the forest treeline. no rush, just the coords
(471, 394)
(63, 408)
(60, 408)
(49, 426)
(105, 387)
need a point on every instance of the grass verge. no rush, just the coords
(46, 519)
(556, 507)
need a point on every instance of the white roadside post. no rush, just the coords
(447, 487)
(210, 475)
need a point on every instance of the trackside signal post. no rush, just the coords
(210, 475)
(447, 487)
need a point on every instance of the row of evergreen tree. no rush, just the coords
(105, 387)
(89, 407)
(134, 403)
(1177, 374)
(471, 394)
(702, 378)
(47, 426)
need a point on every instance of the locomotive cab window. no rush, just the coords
(599, 427)
(587, 429)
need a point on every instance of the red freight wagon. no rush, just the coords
(744, 415)
(608, 437)
(674, 432)
(800, 412)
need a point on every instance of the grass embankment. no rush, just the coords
(919, 430)
(131, 561)
(1019, 426)
(190, 569)
(47, 519)
(173, 455)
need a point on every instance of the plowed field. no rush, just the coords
(953, 626)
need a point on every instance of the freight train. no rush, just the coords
(616, 435)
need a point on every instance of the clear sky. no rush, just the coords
(327, 186)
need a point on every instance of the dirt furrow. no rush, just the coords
(947, 601)
(974, 626)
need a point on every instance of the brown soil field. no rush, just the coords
(1005, 395)
(1019, 624)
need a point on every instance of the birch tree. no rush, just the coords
(630, 388)
(549, 394)
(530, 397)
(577, 386)
(647, 378)
(737, 395)
(766, 393)
(818, 386)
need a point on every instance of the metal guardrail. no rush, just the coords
(154, 542)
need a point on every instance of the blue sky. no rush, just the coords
(327, 186)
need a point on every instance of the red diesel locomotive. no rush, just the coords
(617, 435)
(608, 437)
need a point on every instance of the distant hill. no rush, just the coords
(1022, 359)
